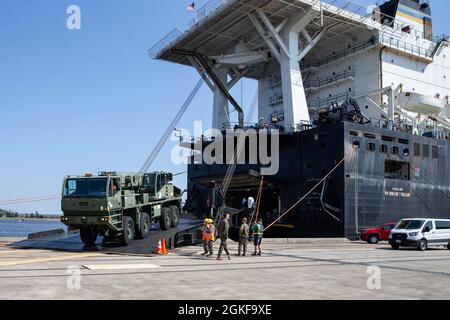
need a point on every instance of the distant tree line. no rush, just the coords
(13, 214)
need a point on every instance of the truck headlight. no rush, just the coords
(106, 219)
(413, 234)
(64, 219)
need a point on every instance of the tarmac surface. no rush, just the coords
(310, 270)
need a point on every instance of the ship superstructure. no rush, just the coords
(331, 75)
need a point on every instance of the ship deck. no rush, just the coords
(220, 28)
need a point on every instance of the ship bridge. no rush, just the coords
(301, 52)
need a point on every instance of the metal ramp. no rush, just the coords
(185, 234)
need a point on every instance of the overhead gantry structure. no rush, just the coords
(238, 38)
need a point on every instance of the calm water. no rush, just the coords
(13, 228)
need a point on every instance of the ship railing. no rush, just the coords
(369, 14)
(405, 46)
(360, 46)
(235, 125)
(337, 55)
(207, 10)
(318, 83)
(194, 140)
(326, 102)
(165, 42)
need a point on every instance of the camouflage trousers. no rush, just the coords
(242, 245)
(208, 246)
(223, 246)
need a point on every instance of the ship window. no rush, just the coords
(426, 151)
(403, 141)
(406, 152)
(388, 139)
(354, 133)
(371, 146)
(396, 170)
(384, 148)
(434, 152)
(417, 149)
(395, 150)
(356, 144)
(370, 136)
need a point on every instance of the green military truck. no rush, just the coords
(120, 206)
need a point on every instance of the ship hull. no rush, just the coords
(386, 176)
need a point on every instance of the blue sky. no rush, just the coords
(76, 101)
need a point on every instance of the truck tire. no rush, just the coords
(373, 239)
(422, 245)
(128, 230)
(165, 221)
(88, 236)
(175, 215)
(144, 226)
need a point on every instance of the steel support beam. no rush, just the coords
(311, 45)
(220, 85)
(266, 38)
(274, 34)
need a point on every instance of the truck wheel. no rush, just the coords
(88, 236)
(373, 239)
(422, 245)
(175, 215)
(128, 230)
(165, 220)
(145, 226)
(395, 246)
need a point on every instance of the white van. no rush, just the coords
(421, 233)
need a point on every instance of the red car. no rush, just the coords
(375, 235)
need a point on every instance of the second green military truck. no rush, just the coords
(120, 206)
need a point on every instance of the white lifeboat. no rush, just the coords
(419, 103)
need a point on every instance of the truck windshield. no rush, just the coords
(92, 187)
(410, 224)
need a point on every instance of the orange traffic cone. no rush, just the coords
(164, 250)
(159, 249)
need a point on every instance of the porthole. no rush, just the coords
(395, 150)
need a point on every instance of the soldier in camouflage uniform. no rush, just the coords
(223, 235)
(243, 237)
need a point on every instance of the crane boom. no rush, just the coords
(149, 161)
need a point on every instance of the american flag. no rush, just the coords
(191, 7)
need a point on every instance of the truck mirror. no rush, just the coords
(426, 229)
